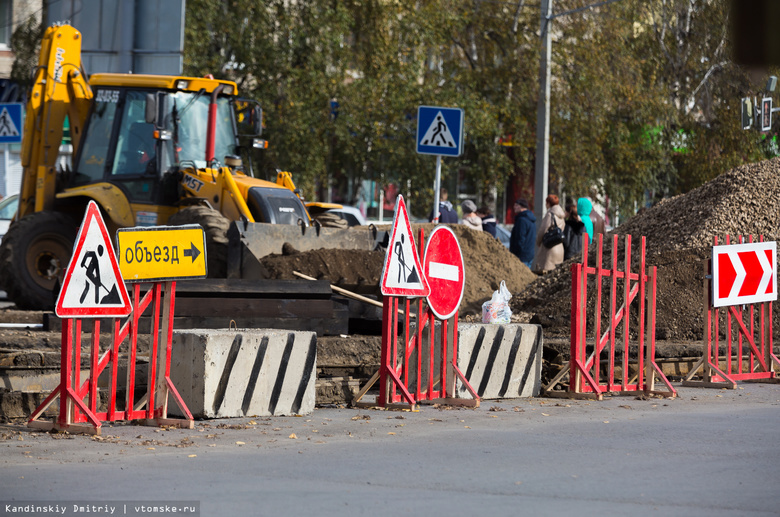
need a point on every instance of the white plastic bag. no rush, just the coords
(496, 310)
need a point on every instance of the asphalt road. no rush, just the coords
(708, 452)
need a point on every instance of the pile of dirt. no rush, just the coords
(679, 234)
(487, 262)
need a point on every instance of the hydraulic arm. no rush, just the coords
(60, 89)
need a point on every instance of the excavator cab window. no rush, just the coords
(136, 146)
(97, 141)
(188, 122)
(119, 145)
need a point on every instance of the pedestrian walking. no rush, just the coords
(572, 232)
(521, 242)
(547, 259)
(446, 213)
(488, 220)
(594, 223)
(470, 218)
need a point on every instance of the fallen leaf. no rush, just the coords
(240, 443)
(606, 421)
(545, 414)
(391, 432)
(192, 456)
(293, 437)
(150, 448)
(467, 427)
(252, 422)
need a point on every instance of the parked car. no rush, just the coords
(351, 214)
(503, 234)
(8, 208)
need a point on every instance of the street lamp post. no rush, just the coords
(543, 115)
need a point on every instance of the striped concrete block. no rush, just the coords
(235, 373)
(500, 361)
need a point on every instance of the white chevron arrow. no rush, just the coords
(741, 273)
(766, 266)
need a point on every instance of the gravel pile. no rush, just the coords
(679, 233)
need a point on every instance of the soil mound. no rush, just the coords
(679, 233)
(487, 262)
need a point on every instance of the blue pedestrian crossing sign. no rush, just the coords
(10, 123)
(439, 131)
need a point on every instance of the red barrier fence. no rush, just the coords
(749, 340)
(586, 378)
(152, 408)
(416, 373)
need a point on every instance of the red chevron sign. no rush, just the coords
(744, 273)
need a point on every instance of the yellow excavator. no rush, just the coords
(150, 150)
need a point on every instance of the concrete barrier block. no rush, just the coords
(244, 372)
(500, 361)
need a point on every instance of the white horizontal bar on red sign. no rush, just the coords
(443, 271)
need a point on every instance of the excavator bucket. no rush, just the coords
(248, 243)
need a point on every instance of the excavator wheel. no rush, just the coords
(34, 255)
(216, 226)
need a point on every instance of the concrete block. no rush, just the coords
(500, 361)
(244, 372)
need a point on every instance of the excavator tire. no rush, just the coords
(216, 227)
(34, 255)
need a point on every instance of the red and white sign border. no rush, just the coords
(402, 215)
(732, 250)
(425, 270)
(93, 216)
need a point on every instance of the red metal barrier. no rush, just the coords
(749, 350)
(152, 409)
(396, 385)
(586, 378)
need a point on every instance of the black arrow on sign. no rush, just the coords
(192, 252)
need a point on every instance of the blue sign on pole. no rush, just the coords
(439, 131)
(10, 123)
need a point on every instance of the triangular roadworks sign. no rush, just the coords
(402, 274)
(93, 286)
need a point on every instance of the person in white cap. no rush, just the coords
(470, 218)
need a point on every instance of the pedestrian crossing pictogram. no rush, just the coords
(11, 122)
(438, 134)
(93, 285)
(402, 273)
(7, 126)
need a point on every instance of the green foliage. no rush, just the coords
(26, 41)
(645, 99)
(644, 96)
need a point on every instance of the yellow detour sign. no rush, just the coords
(156, 253)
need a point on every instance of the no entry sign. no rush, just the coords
(744, 273)
(443, 266)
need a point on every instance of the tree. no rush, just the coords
(26, 44)
(645, 97)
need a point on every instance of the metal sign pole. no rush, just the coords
(436, 188)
